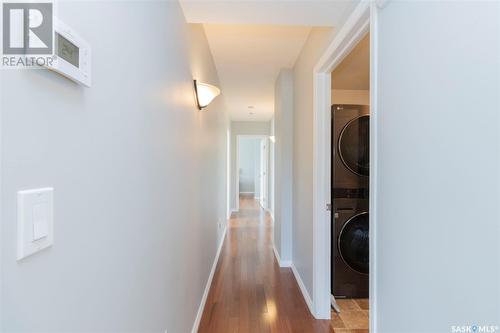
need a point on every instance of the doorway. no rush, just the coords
(350, 176)
(252, 156)
(354, 30)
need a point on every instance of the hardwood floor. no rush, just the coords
(250, 292)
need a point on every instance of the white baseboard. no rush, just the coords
(270, 213)
(281, 263)
(208, 285)
(277, 255)
(303, 289)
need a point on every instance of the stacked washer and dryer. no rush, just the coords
(350, 188)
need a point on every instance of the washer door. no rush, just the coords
(353, 243)
(354, 145)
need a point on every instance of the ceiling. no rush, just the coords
(353, 73)
(248, 59)
(325, 13)
(252, 40)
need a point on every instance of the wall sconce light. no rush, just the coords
(272, 138)
(205, 93)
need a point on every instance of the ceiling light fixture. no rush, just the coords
(205, 93)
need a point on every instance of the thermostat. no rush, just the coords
(72, 54)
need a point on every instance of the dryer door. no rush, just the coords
(353, 243)
(354, 145)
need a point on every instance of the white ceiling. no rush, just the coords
(248, 59)
(353, 73)
(252, 40)
(327, 13)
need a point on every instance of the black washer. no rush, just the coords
(353, 243)
(354, 145)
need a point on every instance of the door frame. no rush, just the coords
(362, 20)
(228, 173)
(237, 185)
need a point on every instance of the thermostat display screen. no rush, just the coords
(67, 50)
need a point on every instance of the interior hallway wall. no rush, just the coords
(358, 97)
(302, 248)
(272, 165)
(249, 164)
(243, 128)
(138, 173)
(257, 168)
(283, 126)
(438, 212)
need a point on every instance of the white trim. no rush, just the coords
(373, 161)
(208, 285)
(286, 263)
(237, 175)
(270, 213)
(247, 193)
(355, 28)
(228, 172)
(281, 263)
(303, 288)
(321, 197)
(276, 254)
(1, 198)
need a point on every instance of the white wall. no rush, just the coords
(138, 174)
(283, 123)
(343, 96)
(257, 167)
(242, 128)
(302, 251)
(248, 152)
(272, 162)
(438, 213)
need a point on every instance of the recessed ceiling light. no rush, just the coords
(251, 107)
(251, 113)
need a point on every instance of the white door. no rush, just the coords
(263, 172)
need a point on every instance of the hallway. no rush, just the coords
(250, 292)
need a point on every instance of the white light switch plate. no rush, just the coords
(34, 221)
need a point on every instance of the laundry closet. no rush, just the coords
(350, 168)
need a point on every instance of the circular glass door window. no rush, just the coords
(354, 145)
(353, 243)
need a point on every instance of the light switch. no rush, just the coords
(40, 223)
(34, 221)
